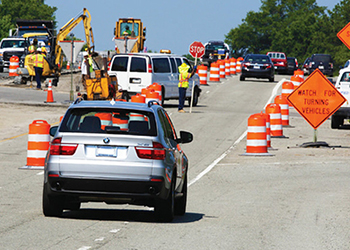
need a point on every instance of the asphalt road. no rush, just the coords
(298, 198)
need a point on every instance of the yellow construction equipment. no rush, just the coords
(130, 28)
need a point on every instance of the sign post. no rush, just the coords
(197, 49)
(316, 99)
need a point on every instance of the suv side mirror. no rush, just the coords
(185, 137)
(53, 130)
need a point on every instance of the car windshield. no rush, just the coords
(257, 59)
(112, 121)
(13, 44)
(215, 46)
(345, 77)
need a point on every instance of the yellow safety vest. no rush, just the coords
(38, 60)
(183, 79)
(31, 49)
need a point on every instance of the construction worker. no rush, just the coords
(85, 69)
(38, 63)
(127, 31)
(184, 77)
(44, 51)
(31, 48)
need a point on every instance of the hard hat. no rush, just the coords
(85, 53)
(38, 49)
(184, 68)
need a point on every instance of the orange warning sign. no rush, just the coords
(316, 99)
(344, 35)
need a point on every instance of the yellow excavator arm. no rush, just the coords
(69, 26)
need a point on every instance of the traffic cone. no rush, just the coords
(49, 98)
(68, 65)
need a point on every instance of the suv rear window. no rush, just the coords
(161, 65)
(257, 59)
(120, 63)
(321, 58)
(110, 121)
(138, 64)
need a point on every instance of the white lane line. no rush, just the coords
(100, 239)
(215, 162)
(84, 248)
(40, 173)
(114, 231)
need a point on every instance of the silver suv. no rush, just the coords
(118, 153)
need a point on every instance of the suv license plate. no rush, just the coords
(320, 67)
(105, 151)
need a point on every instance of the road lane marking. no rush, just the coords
(215, 162)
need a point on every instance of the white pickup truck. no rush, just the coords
(343, 86)
(12, 46)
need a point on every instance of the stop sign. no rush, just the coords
(197, 49)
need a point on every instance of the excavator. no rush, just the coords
(97, 88)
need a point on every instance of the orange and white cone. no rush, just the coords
(68, 65)
(49, 98)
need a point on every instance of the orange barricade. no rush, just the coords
(106, 119)
(68, 65)
(214, 72)
(256, 136)
(296, 80)
(49, 98)
(144, 91)
(233, 66)
(152, 96)
(202, 71)
(239, 65)
(287, 88)
(268, 132)
(14, 64)
(157, 88)
(282, 101)
(139, 99)
(222, 68)
(227, 67)
(121, 121)
(38, 144)
(274, 110)
(299, 73)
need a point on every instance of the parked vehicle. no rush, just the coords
(215, 50)
(12, 46)
(139, 70)
(118, 153)
(343, 86)
(279, 60)
(306, 66)
(257, 66)
(292, 63)
(323, 62)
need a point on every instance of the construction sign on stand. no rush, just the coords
(316, 99)
(344, 35)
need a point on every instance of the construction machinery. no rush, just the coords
(129, 35)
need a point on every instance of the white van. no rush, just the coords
(139, 70)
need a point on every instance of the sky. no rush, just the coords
(170, 24)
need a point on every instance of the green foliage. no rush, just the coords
(10, 10)
(299, 28)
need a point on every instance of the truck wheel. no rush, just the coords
(164, 209)
(336, 121)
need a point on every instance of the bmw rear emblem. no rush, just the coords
(106, 140)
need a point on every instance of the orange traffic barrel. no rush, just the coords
(287, 88)
(157, 88)
(152, 96)
(49, 98)
(121, 121)
(38, 144)
(136, 116)
(106, 119)
(138, 98)
(282, 101)
(268, 131)
(144, 91)
(256, 136)
(296, 80)
(222, 68)
(239, 65)
(214, 72)
(202, 71)
(299, 73)
(227, 67)
(274, 110)
(14, 64)
(233, 66)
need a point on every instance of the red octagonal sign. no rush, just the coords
(197, 49)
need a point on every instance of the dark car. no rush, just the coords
(257, 66)
(292, 64)
(306, 66)
(323, 62)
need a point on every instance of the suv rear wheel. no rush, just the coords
(336, 121)
(180, 204)
(164, 209)
(52, 206)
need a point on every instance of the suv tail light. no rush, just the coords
(331, 64)
(267, 65)
(149, 68)
(157, 152)
(58, 148)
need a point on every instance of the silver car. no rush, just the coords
(118, 153)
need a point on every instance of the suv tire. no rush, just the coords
(180, 204)
(164, 209)
(336, 121)
(52, 206)
(241, 78)
(1, 69)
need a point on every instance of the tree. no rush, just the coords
(10, 10)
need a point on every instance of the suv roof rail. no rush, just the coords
(78, 100)
(152, 102)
